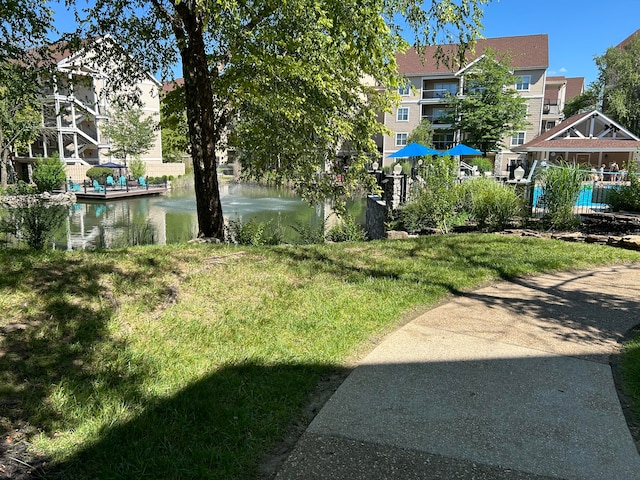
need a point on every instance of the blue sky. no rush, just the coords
(578, 29)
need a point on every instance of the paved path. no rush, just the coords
(511, 381)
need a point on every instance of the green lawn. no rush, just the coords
(190, 361)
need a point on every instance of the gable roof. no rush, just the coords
(627, 40)
(575, 86)
(587, 131)
(527, 52)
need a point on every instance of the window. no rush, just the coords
(405, 89)
(442, 90)
(402, 114)
(517, 139)
(442, 115)
(523, 82)
(401, 139)
(443, 141)
(550, 124)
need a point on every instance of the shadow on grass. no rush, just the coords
(215, 428)
(58, 340)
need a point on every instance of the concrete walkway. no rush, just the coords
(511, 381)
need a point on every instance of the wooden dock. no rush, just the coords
(88, 193)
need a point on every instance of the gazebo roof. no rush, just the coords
(584, 132)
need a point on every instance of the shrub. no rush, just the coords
(99, 173)
(310, 234)
(253, 233)
(626, 197)
(137, 168)
(20, 188)
(435, 205)
(35, 225)
(347, 230)
(561, 186)
(493, 205)
(49, 174)
(483, 164)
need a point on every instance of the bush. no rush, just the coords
(561, 186)
(35, 225)
(310, 234)
(346, 231)
(493, 205)
(253, 233)
(435, 205)
(49, 174)
(20, 188)
(626, 197)
(137, 168)
(99, 173)
(483, 164)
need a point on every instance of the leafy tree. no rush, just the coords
(491, 107)
(619, 81)
(173, 122)
(137, 168)
(586, 101)
(289, 73)
(131, 133)
(422, 134)
(20, 117)
(49, 174)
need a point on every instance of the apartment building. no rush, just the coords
(429, 84)
(75, 105)
(558, 90)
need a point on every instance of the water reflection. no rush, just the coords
(171, 218)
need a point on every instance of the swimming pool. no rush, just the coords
(585, 198)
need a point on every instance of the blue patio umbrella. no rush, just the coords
(461, 149)
(414, 150)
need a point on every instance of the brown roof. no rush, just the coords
(563, 143)
(171, 85)
(528, 51)
(627, 40)
(575, 86)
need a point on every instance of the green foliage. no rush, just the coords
(310, 234)
(131, 132)
(491, 107)
(561, 186)
(493, 205)
(483, 164)
(619, 84)
(346, 230)
(20, 188)
(137, 168)
(422, 134)
(99, 173)
(435, 205)
(173, 124)
(586, 101)
(20, 110)
(49, 174)
(253, 232)
(626, 197)
(35, 225)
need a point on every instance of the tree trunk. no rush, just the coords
(203, 130)
(4, 155)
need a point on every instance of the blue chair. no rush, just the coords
(73, 186)
(97, 187)
(110, 181)
(142, 182)
(122, 181)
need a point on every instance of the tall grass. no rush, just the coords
(561, 186)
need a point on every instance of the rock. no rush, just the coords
(631, 242)
(397, 235)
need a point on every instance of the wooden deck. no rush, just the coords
(109, 193)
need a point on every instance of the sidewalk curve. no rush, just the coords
(511, 381)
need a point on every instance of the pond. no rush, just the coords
(171, 218)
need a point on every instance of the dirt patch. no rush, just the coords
(16, 460)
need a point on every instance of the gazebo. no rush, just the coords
(588, 138)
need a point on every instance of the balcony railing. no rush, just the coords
(438, 120)
(440, 93)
